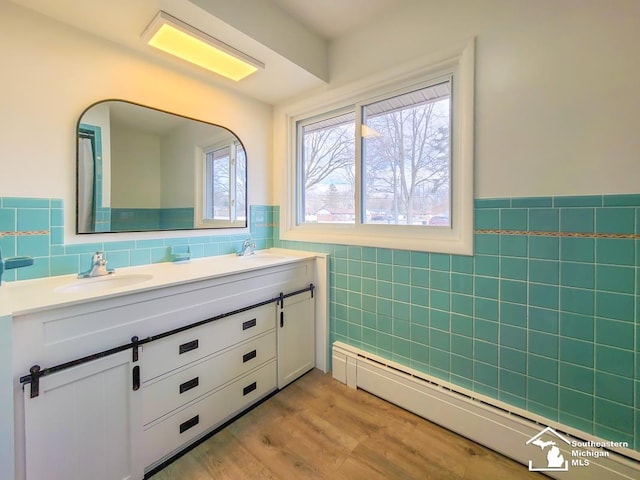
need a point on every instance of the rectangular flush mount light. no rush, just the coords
(173, 36)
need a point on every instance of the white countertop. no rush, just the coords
(28, 296)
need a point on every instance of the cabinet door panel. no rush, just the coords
(81, 424)
(296, 338)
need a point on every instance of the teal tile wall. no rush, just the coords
(132, 219)
(35, 227)
(136, 219)
(545, 315)
(102, 219)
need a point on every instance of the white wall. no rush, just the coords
(6, 398)
(274, 28)
(557, 104)
(52, 72)
(182, 160)
(136, 176)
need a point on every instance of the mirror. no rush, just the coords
(142, 169)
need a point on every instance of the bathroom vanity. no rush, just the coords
(149, 361)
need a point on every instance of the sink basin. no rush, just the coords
(103, 283)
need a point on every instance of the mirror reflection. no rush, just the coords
(142, 169)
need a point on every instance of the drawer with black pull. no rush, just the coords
(178, 350)
(168, 393)
(166, 437)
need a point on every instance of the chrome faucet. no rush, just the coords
(247, 248)
(98, 267)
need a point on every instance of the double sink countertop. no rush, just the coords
(27, 296)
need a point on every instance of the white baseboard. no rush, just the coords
(496, 425)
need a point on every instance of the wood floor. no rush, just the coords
(317, 428)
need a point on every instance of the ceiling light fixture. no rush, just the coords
(177, 38)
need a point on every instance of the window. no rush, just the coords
(328, 165)
(392, 166)
(406, 158)
(224, 184)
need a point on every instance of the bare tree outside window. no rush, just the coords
(405, 165)
(328, 163)
(218, 183)
(385, 163)
(406, 158)
(225, 183)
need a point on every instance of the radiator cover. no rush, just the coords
(498, 426)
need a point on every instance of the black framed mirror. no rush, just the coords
(144, 169)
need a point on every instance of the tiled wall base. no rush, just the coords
(545, 315)
(35, 227)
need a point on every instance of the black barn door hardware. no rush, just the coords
(36, 372)
(134, 347)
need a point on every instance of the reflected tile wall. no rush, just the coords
(35, 227)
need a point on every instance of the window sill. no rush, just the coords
(415, 238)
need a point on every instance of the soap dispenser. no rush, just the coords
(13, 262)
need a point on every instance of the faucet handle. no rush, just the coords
(98, 266)
(247, 248)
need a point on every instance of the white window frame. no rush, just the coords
(456, 239)
(299, 205)
(201, 220)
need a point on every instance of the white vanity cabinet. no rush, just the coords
(199, 378)
(296, 347)
(81, 424)
(207, 350)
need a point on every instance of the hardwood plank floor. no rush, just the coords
(318, 428)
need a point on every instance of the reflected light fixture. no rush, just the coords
(177, 38)
(368, 132)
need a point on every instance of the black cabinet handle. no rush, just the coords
(136, 377)
(189, 423)
(249, 356)
(134, 348)
(281, 319)
(186, 386)
(187, 347)
(249, 324)
(249, 388)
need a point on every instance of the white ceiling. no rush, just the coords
(333, 19)
(122, 21)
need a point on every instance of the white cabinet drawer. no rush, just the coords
(168, 393)
(166, 437)
(177, 350)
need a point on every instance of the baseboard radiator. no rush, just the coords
(494, 424)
